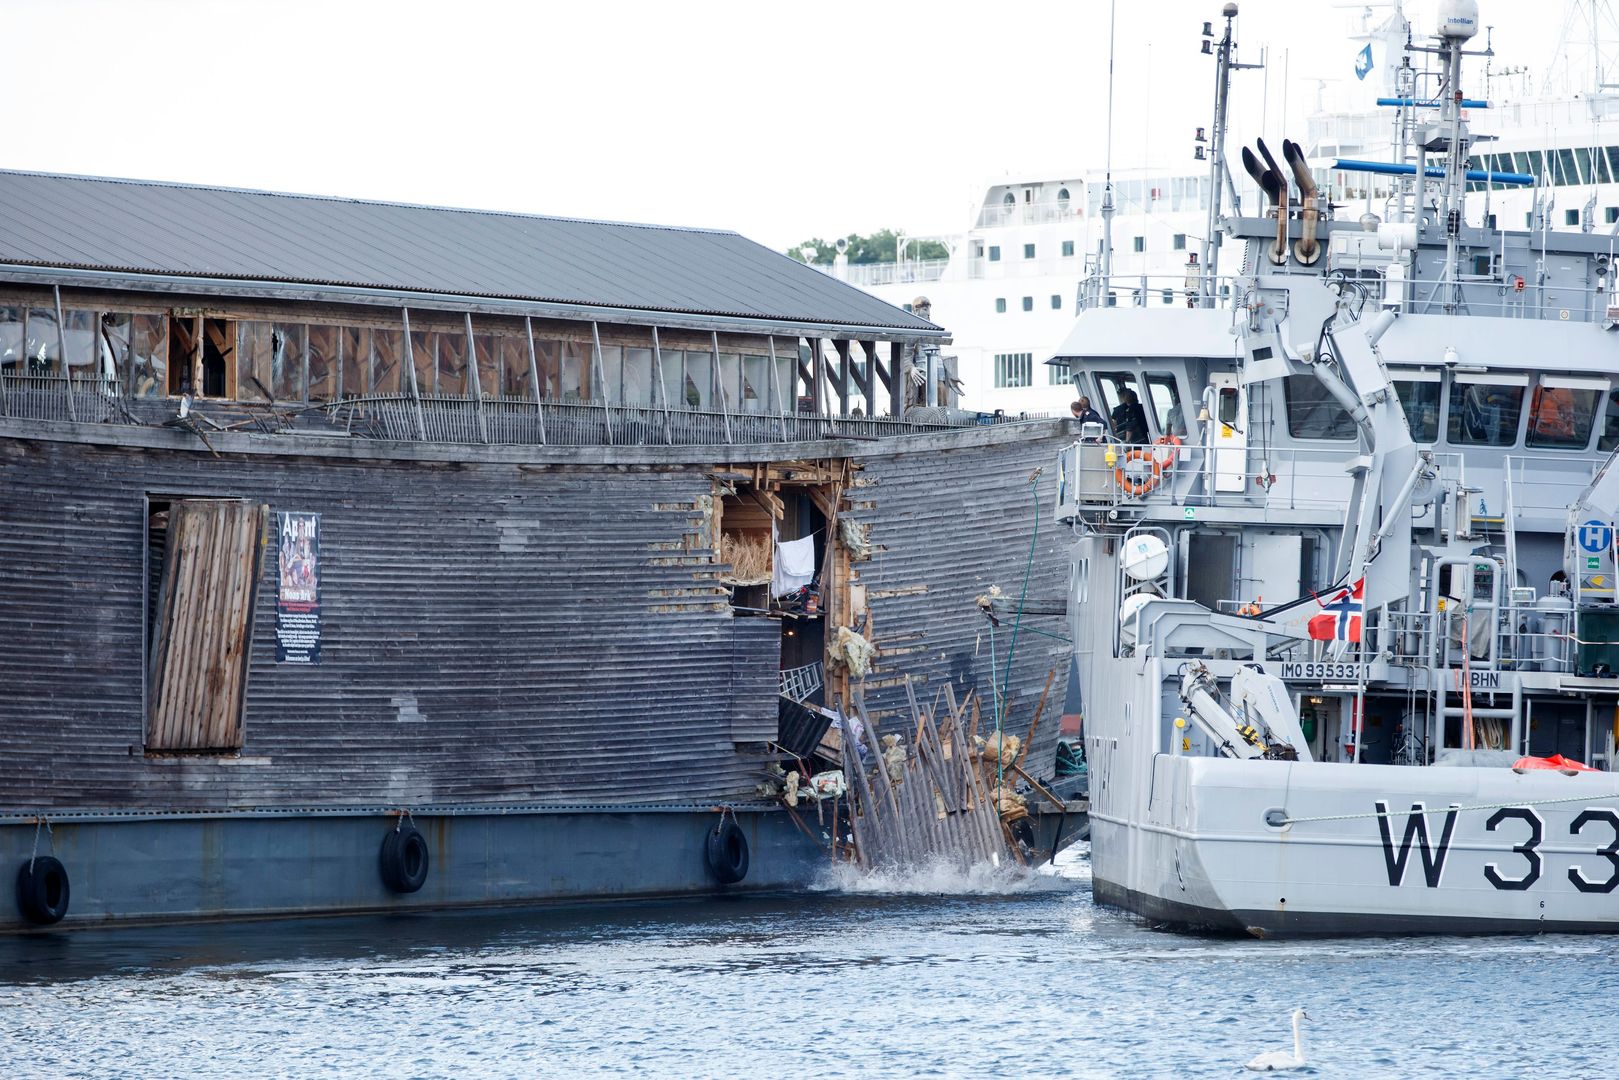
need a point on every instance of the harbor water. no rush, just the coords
(926, 976)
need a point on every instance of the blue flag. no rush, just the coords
(1363, 63)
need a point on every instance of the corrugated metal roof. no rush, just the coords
(176, 230)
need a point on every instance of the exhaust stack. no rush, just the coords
(1307, 250)
(1278, 251)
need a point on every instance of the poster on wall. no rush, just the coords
(297, 606)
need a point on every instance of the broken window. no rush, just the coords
(514, 371)
(148, 353)
(575, 371)
(387, 361)
(638, 376)
(254, 380)
(204, 558)
(755, 384)
(424, 358)
(287, 343)
(699, 390)
(322, 363)
(484, 355)
(356, 361)
(453, 380)
(183, 337)
(11, 340)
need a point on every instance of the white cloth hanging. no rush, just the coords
(794, 566)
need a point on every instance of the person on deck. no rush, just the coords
(1129, 419)
(1084, 413)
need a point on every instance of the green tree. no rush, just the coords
(881, 246)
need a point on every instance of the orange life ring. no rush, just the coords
(1173, 442)
(1146, 483)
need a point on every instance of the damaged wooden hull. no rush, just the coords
(527, 649)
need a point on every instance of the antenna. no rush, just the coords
(1107, 186)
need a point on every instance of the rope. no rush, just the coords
(1017, 625)
(1439, 810)
(44, 821)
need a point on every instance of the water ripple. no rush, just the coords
(921, 976)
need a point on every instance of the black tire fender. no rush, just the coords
(727, 852)
(42, 890)
(404, 859)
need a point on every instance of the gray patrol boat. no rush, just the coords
(1343, 602)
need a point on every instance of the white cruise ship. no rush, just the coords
(1009, 289)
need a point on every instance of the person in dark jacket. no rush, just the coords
(1084, 413)
(1129, 419)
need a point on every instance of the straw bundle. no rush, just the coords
(749, 557)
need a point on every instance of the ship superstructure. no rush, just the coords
(1343, 595)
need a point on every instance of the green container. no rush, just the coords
(1597, 653)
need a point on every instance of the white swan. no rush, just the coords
(1278, 1060)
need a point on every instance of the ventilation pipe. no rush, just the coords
(1307, 250)
(1275, 187)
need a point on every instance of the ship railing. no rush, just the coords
(895, 273)
(94, 399)
(1283, 479)
(1185, 288)
(586, 423)
(1524, 637)
(1040, 213)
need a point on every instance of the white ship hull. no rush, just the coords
(1494, 851)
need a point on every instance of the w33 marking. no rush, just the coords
(1433, 855)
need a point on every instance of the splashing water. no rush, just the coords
(939, 878)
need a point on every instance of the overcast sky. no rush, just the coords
(779, 121)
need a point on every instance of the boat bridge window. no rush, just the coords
(1121, 404)
(1164, 397)
(1419, 393)
(1312, 411)
(1484, 410)
(1610, 424)
(1563, 411)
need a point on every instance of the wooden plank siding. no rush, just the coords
(945, 526)
(497, 628)
(212, 563)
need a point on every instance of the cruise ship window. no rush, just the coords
(1140, 243)
(1164, 396)
(1582, 160)
(1056, 302)
(994, 253)
(1028, 303)
(1612, 154)
(1571, 217)
(1028, 251)
(1313, 413)
(1180, 241)
(1610, 214)
(1068, 249)
(1419, 397)
(1483, 413)
(1564, 173)
(1562, 413)
(1000, 305)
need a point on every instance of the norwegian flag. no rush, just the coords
(1340, 617)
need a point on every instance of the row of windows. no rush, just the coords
(1477, 411)
(1561, 168)
(1028, 303)
(1127, 412)
(1028, 251)
(251, 360)
(1177, 242)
